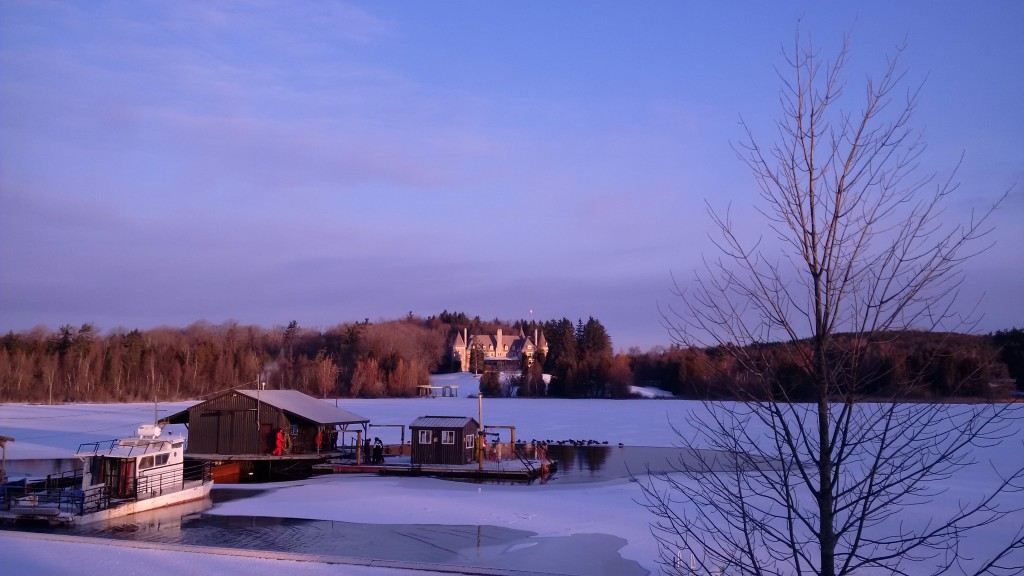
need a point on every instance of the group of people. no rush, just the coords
(376, 455)
(280, 444)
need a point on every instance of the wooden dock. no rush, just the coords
(512, 470)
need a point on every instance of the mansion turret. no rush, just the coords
(504, 352)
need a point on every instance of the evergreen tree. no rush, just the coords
(562, 357)
(476, 360)
(594, 359)
(1011, 352)
(490, 384)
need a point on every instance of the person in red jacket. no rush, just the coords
(279, 443)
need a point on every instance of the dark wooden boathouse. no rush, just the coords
(443, 439)
(226, 428)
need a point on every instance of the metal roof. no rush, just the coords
(441, 422)
(305, 406)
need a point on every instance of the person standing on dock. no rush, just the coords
(279, 443)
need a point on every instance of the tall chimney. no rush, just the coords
(498, 350)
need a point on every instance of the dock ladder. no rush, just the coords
(526, 462)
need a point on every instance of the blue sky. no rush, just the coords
(168, 162)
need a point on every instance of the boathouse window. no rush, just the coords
(424, 436)
(448, 437)
(146, 462)
(469, 440)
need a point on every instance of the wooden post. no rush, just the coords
(359, 447)
(478, 443)
(3, 463)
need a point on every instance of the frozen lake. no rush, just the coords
(552, 527)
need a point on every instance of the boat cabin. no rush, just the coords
(142, 467)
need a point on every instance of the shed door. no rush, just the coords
(438, 452)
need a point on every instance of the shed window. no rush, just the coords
(469, 441)
(424, 436)
(146, 462)
(448, 437)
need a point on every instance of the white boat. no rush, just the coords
(118, 478)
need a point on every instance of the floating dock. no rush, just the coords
(512, 470)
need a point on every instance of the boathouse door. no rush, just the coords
(265, 438)
(224, 422)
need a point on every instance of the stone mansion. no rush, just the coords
(504, 352)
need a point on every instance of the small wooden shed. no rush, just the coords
(443, 439)
(227, 423)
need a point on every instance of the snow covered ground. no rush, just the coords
(560, 515)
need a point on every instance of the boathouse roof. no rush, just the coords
(292, 402)
(440, 422)
(305, 406)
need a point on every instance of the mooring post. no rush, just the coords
(480, 433)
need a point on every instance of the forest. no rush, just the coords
(391, 358)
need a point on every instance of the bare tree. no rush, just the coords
(818, 480)
(326, 373)
(367, 380)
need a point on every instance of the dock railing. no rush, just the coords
(52, 495)
(507, 451)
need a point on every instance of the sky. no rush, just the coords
(163, 163)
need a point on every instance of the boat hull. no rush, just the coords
(198, 491)
(192, 491)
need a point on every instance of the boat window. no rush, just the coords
(161, 459)
(448, 437)
(146, 462)
(424, 436)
